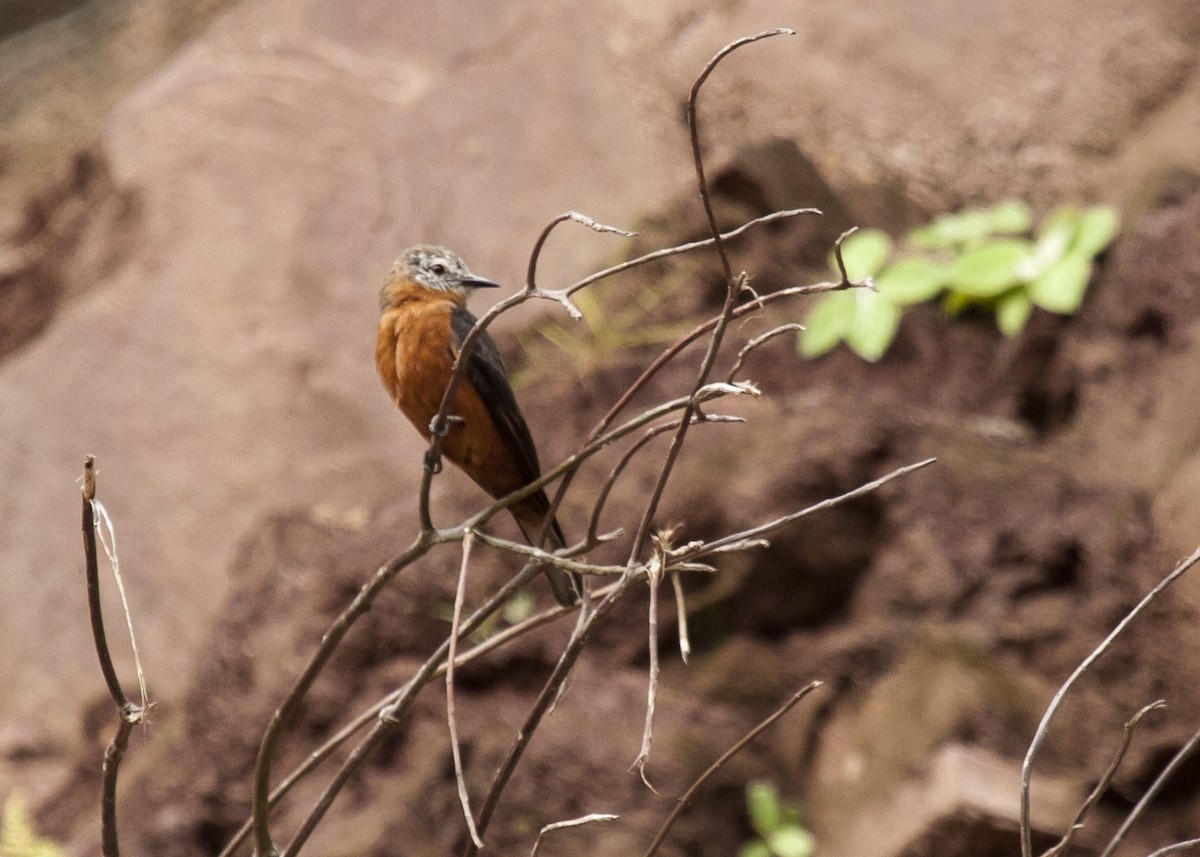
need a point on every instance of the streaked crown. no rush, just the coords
(435, 268)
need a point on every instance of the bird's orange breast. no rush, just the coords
(415, 353)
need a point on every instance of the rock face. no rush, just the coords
(194, 303)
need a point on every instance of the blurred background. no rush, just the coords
(198, 204)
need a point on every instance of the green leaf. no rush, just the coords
(1011, 217)
(1012, 311)
(990, 269)
(791, 842)
(874, 326)
(952, 230)
(1097, 228)
(827, 323)
(757, 848)
(864, 253)
(1052, 242)
(762, 802)
(1060, 288)
(911, 281)
(953, 303)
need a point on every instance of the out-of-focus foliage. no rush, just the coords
(986, 259)
(18, 838)
(777, 825)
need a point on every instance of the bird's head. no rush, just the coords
(430, 267)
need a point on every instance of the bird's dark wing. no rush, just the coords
(485, 370)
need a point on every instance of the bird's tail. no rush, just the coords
(567, 585)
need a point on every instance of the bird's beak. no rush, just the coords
(473, 282)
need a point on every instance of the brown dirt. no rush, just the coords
(946, 608)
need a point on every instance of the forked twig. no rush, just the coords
(129, 713)
(574, 822)
(1184, 753)
(1105, 781)
(1044, 726)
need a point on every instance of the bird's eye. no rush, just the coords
(438, 268)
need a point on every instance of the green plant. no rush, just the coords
(18, 838)
(976, 258)
(777, 825)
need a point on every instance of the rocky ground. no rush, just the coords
(192, 300)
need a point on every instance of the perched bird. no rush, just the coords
(423, 323)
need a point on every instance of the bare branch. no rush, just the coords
(531, 275)
(1105, 781)
(1176, 848)
(545, 700)
(574, 822)
(1184, 753)
(717, 765)
(263, 844)
(1044, 726)
(749, 537)
(757, 342)
(681, 620)
(678, 249)
(129, 713)
(654, 572)
(451, 719)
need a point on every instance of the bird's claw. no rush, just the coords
(442, 428)
(433, 463)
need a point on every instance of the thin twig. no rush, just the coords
(618, 469)
(681, 620)
(574, 822)
(758, 341)
(1044, 726)
(263, 844)
(451, 718)
(749, 537)
(542, 705)
(717, 765)
(1182, 755)
(531, 273)
(654, 572)
(733, 288)
(1105, 781)
(1176, 848)
(129, 713)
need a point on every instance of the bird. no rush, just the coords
(422, 324)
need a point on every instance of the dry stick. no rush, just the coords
(685, 645)
(1105, 781)
(427, 538)
(1040, 735)
(733, 287)
(263, 844)
(747, 537)
(758, 341)
(567, 660)
(129, 713)
(574, 822)
(392, 713)
(654, 571)
(618, 469)
(1177, 847)
(451, 718)
(473, 622)
(545, 700)
(1178, 759)
(716, 766)
(556, 501)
